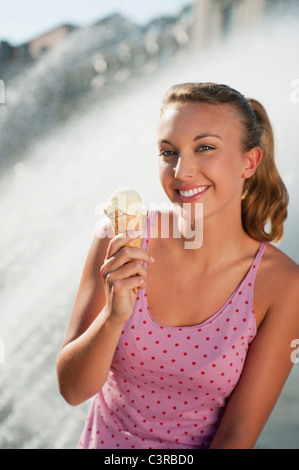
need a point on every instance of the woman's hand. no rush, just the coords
(122, 271)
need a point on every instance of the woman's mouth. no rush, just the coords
(189, 195)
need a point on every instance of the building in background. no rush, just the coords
(48, 40)
(217, 19)
(213, 20)
(34, 49)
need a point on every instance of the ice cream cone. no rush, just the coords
(126, 213)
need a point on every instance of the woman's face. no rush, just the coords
(200, 155)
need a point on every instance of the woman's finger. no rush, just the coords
(134, 268)
(127, 285)
(121, 240)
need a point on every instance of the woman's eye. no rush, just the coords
(205, 148)
(167, 153)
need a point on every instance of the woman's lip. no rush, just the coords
(192, 197)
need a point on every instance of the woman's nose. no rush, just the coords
(185, 168)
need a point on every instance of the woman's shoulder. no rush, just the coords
(103, 233)
(280, 269)
(277, 285)
(280, 261)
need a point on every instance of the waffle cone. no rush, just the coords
(123, 223)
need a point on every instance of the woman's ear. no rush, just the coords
(252, 160)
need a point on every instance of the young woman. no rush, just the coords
(198, 358)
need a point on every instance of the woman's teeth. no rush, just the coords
(192, 191)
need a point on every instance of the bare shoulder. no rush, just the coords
(277, 283)
(102, 236)
(282, 269)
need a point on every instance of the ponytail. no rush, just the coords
(265, 197)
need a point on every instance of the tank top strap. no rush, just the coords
(254, 267)
(147, 233)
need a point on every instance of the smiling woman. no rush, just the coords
(188, 362)
(258, 207)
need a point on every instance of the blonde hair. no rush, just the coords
(265, 197)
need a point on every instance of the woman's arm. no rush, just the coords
(267, 367)
(104, 302)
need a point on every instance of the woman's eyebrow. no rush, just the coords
(198, 137)
(201, 136)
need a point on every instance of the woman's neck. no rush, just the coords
(211, 241)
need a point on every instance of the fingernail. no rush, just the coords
(152, 259)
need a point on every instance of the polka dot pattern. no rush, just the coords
(168, 386)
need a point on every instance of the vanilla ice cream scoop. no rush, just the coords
(125, 201)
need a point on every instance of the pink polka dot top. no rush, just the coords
(168, 386)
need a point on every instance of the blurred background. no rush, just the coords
(81, 85)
